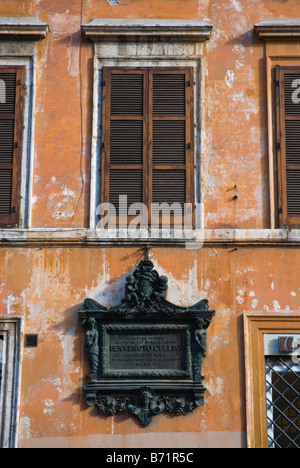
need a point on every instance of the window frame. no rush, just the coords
(27, 62)
(148, 118)
(162, 50)
(255, 327)
(13, 220)
(19, 37)
(11, 330)
(281, 163)
(285, 363)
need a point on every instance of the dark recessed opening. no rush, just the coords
(31, 341)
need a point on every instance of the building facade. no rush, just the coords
(192, 102)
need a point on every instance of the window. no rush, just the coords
(272, 380)
(164, 45)
(283, 402)
(11, 132)
(147, 138)
(282, 374)
(288, 144)
(281, 38)
(10, 358)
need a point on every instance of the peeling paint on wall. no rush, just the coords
(47, 286)
(229, 78)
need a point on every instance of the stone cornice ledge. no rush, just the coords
(278, 29)
(21, 27)
(228, 238)
(124, 29)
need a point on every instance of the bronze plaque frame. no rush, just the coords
(118, 384)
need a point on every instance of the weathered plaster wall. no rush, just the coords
(234, 106)
(47, 286)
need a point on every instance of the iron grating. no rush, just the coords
(283, 402)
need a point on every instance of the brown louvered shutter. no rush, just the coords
(288, 145)
(124, 121)
(147, 136)
(172, 142)
(11, 130)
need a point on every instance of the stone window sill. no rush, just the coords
(191, 239)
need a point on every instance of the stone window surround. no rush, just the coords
(11, 330)
(144, 43)
(256, 326)
(18, 37)
(282, 47)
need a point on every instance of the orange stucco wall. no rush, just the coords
(47, 286)
(234, 107)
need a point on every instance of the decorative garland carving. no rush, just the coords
(145, 404)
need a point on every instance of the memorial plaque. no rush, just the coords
(157, 351)
(149, 350)
(146, 355)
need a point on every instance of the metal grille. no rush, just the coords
(283, 402)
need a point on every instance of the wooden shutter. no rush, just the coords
(288, 144)
(124, 135)
(171, 138)
(147, 136)
(11, 130)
